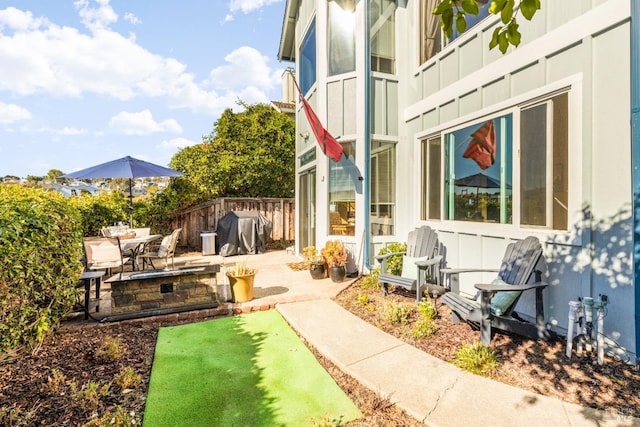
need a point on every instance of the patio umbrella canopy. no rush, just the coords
(478, 180)
(126, 167)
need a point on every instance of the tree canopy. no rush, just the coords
(451, 11)
(248, 154)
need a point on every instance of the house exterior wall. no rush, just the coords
(578, 44)
(577, 47)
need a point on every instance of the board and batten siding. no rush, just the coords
(576, 44)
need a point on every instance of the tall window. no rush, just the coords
(431, 38)
(343, 177)
(430, 32)
(544, 164)
(478, 172)
(308, 59)
(342, 40)
(480, 160)
(383, 188)
(431, 178)
(383, 35)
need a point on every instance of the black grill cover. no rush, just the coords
(242, 233)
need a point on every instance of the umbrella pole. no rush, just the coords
(130, 205)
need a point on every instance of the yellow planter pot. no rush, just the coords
(241, 287)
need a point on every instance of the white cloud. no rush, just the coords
(10, 113)
(133, 19)
(246, 67)
(65, 131)
(142, 123)
(19, 20)
(247, 6)
(176, 143)
(96, 18)
(41, 57)
(227, 18)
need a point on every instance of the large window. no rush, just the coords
(383, 35)
(544, 162)
(467, 173)
(342, 40)
(431, 38)
(431, 178)
(383, 188)
(343, 177)
(308, 59)
(477, 165)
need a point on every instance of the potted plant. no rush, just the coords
(315, 261)
(335, 255)
(241, 281)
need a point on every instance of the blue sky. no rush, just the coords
(88, 81)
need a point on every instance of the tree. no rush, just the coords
(503, 35)
(53, 174)
(248, 154)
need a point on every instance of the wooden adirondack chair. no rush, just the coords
(420, 261)
(522, 263)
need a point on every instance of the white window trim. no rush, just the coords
(573, 235)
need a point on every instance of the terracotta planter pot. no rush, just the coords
(338, 273)
(317, 271)
(241, 287)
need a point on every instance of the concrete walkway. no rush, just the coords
(433, 391)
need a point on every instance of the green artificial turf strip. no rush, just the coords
(249, 370)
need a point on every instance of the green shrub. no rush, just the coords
(127, 378)
(394, 263)
(371, 281)
(40, 253)
(100, 211)
(427, 310)
(398, 313)
(426, 326)
(115, 417)
(111, 350)
(477, 358)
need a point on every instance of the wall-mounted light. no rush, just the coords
(305, 135)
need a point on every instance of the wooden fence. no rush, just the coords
(205, 216)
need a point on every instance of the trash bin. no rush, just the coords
(208, 243)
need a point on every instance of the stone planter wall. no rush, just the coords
(132, 292)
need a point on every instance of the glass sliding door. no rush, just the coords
(307, 218)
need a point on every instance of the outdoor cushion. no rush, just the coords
(409, 269)
(164, 246)
(502, 300)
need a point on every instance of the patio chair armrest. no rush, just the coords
(422, 264)
(487, 287)
(467, 270)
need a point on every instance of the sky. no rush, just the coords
(87, 81)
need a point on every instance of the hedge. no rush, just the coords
(40, 256)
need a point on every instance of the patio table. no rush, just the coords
(135, 245)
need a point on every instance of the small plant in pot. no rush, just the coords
(241, 281)
(315, 261)
(335, 255)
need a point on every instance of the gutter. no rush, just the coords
(366, 185)
(635, 157)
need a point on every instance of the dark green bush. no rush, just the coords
(40, 259)
(100, 211)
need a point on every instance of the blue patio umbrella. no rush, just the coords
(479, 180)
(126, 167)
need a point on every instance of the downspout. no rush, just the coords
(366, 185)
(635, 156)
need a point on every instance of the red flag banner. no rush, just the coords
(482, 148)
(329, 145)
